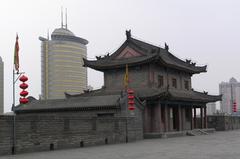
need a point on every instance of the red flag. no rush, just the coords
(16, 56)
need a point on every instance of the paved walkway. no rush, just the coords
(220, 145)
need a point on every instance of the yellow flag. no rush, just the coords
(126, 77)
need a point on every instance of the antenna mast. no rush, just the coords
(66, 17)
(61, 17)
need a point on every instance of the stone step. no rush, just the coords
(196, 132)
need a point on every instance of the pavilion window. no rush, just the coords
(160, 81)
(186, 85)
(174, 82)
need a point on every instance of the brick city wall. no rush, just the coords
(6, 129)
(49, 131)
(224, 122)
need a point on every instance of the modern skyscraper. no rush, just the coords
(62, 64)
(1, 86)
(231, 94)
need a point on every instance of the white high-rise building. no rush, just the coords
(231, 93)
(1, 86)
(211, 108)
(62, 64)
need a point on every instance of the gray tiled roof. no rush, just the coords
(168, 94)
(90, 102)
(193, 96)
(149, 53)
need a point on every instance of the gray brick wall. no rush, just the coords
(145, 76)
(61, 130)
(138, 77)
(223, 122)
(6, 134)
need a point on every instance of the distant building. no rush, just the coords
(231, 93)
(211, 108)
(62, 64)
(1, 86)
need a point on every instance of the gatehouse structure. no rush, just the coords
(159, 78)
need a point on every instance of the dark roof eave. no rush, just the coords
(19, 110)
(169, 96)
(195, 70)
(196, 100)
(94, 65)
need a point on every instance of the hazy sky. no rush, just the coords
(206, 31)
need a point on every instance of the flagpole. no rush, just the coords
(13, 104)
(126, 88)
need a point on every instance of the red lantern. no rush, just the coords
(24, 85)
(234, 107)
(24, 93)
(131, 107)
(23, 100)
(23, 78)
(130, 99)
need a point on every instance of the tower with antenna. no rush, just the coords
(62, 63)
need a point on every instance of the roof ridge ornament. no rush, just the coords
(128, 34)
(166, 46)
(188, 61)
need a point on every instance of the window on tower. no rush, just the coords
(174, 82)
(160, 81)
(186, 85)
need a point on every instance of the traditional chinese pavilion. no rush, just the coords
(159, 78)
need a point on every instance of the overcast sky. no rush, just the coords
(205, 31)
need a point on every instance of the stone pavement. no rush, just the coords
(220, 145)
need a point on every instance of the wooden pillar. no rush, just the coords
(166, 114)
(179, 115)
(205, 117)
(195, 118)
(156, 115)
(191, 116)
(160, 117)
(201, 114)
(183, 112)
(146, 120)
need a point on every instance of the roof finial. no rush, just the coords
(61, 17)
(166, 46)
(128, 34)
(66, 18)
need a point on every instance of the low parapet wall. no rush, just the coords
(43, 132)
(224, 122)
